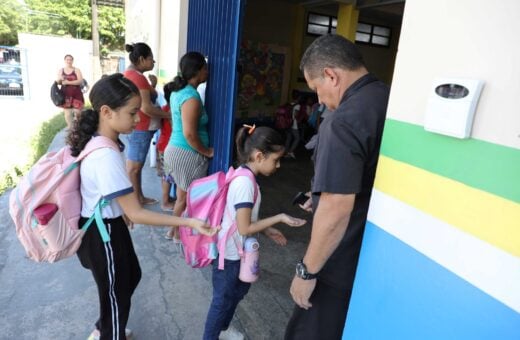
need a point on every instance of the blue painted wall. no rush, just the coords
(214, 30)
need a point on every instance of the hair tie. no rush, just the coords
(251, 128)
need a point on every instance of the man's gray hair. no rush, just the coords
(332, 51)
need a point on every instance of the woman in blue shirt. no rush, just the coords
(187, 154)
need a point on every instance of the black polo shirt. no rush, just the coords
(345, 160)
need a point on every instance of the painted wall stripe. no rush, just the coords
(490, 269)
(486, 216)
(401, 294)
(483, 165)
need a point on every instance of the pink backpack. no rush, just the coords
(46, 205)
(206, 200)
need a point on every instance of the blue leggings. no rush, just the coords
(228, 290)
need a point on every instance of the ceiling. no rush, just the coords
(390, 11)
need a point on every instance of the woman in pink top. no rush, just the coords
(70, 79)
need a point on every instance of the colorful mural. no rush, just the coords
(441, 251)
(261, 79)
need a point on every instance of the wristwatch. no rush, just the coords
(302, 273)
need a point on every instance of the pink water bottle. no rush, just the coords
(249, 266)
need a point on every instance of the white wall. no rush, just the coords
(45, 56)
(163, 25)
(479, 39)
(173, 41)
(142, 22)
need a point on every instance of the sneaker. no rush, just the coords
(231, 334)
(95, 335)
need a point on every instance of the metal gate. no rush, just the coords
(214, 28)
(12, 71)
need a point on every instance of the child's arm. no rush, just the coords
(137, 214)
(276, 235)
(148, 108)
(245, 227)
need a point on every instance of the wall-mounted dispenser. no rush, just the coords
(451, 106)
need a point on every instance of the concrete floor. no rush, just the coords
(59, 301)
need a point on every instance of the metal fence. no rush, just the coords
(12, 71)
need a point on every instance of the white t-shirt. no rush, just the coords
(103, 174)
(240, 194)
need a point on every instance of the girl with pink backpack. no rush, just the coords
(259, 150)
(114, 265)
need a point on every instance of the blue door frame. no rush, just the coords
(214, 28)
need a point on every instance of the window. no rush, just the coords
(319, 24)
(372, 34)
(11, 81)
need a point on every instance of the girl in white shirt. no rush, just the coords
(114, 265)
(259, 150)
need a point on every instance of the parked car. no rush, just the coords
(11, 83)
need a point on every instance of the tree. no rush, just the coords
(10, 22)
(111, 28)
(65, 17)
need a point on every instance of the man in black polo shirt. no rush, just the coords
(345, 160)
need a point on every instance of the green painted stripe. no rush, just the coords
(486, 166)
(163, 73)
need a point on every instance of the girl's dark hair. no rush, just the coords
(167, 90)
(138, 50)
(190, 65)
(68, 55)
(114, 91)
(263, 139)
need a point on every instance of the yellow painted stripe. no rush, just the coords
(489, 217)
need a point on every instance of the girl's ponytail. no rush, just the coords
(263, 139)
(240, 141)
(82, 131)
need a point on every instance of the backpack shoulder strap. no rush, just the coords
(99, 220)
(97, 142)
(232, 174)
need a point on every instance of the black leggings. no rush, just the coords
(116, 271)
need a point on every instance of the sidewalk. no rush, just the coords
(59, 301)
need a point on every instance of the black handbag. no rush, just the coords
(57, 96)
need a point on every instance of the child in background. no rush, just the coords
(153, 92)
(165, 130)
(166, 180)
(158, 100)
(114, 265)
(260, 150)
(293, 134)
